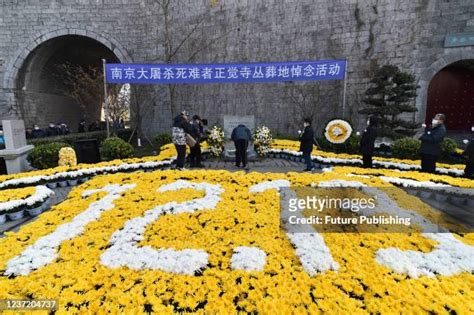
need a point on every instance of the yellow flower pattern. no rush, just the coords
(83, 284)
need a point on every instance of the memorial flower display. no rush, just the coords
(215, 141)
(211, 242)
(262, 140)
(338, 131)
(67, 157)
(291, 147)
(16, 200)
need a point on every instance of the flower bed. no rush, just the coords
(289, 147)
(211, 241)
(167, 154)
(64, 173)
(14, 201)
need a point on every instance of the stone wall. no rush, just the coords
(407, 33)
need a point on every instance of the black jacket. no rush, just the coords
(307, 139)
(180, 122)
(431, 140)
(241, 133)
(367, 141)
(196, 132)
(469, 152)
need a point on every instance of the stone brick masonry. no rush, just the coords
(407, 33)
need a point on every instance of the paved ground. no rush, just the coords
(461, 212)
(264, 166)
(59, 195)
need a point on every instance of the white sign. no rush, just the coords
(14, 134)
(230, 122)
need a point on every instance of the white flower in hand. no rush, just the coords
(299, 131)
(465, 141)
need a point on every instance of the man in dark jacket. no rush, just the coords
(469, 155)
(180, 127)
(82, 126)
(196, 133)
(430, 143)
(367, 142)
(52, 130)
(306, 144)
(37, 132)
(241, 136)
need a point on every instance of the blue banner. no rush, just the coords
(225, 73)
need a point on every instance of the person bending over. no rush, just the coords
(241, 136)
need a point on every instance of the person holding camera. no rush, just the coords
(431, 140)
(180, 128)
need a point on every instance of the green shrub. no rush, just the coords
(116, 148)
(46, 155)
(406, 148)
(351, 145)
(161, 139)
(73, 137)
(448, 147)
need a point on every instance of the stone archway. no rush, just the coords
(451, 91)
(459, 54)
(31, 82)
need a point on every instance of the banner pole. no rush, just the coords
(106, 102)
(344, 91)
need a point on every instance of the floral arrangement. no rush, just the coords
(262, 138)
(215, 141)
(168, 154)
(338, 131)
(24, 197)
(153, 242)
(290, 147)
(67, 157)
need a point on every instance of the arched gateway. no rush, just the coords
(447, 86)
(35, 82)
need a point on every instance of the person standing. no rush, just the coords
(37, 132)
(241, 136)
(431, 140)
(306, 144)
(52, 130)
(180, 127)
(469, 155)
(82, 126)
(367, 142)
(197, 134)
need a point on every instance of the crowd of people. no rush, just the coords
(191, 132)
(52, 130)
(62, 129)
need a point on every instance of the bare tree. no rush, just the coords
(85, 85)
(140, 107)
(175, 41)
(307, 99)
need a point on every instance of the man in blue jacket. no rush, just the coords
(430, 143)
(241, 136)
